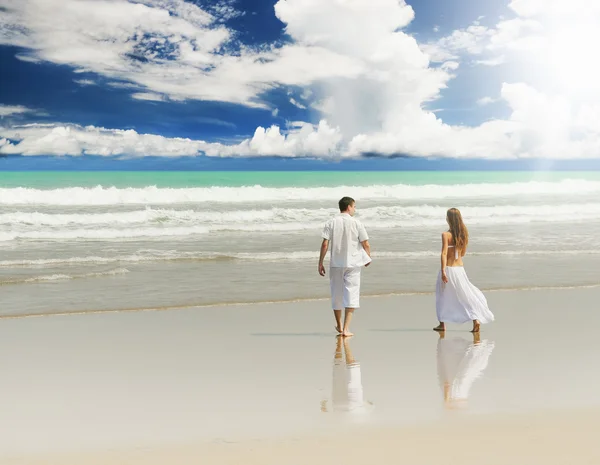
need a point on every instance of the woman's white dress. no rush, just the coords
(459, 301)
(460, 363)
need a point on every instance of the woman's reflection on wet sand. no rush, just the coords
(347, 392)
(460, 362)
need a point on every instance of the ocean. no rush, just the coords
(110, 241)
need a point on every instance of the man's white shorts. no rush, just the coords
(345, 287)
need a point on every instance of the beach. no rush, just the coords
(152, 318)
(259, 383)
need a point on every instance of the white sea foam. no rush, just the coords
(298, 256)
(104, 234)
(64, 277)
(156, 196)
(161, 221)
(147, 215)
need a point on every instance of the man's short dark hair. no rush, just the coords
(345, 202)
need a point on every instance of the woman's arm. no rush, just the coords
(444, 256)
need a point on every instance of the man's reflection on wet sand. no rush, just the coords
(347, 393)
(460, 362)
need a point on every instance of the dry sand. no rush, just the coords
(548, 438)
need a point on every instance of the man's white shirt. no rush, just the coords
(345, 235)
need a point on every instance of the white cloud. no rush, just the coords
(84, 82)
(495, 61)
(472, 40)
(148, 96)
(515, 35)
(450, 65)
(552, 125)
(486, 101)
(294, 102)
(123, 85)
(302, 140)
(554, 36)
(27, 58)
(540, 126)
(398, 79)
(8, 110)
(572, 9)
(169, 47)
(372, 89)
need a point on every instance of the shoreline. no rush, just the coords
(170, 308)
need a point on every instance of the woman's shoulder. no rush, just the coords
(447, 237)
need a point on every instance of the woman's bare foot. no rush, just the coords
(440, 327)
(347, 334)
(476, 326)
(338, 329)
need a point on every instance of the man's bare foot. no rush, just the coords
(347, 334)
(476, 326)
(324, 406)
(338, 329)
(440, 327)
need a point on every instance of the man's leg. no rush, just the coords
(347, 319)
(336, 280)
(351, 297)
(338, 320)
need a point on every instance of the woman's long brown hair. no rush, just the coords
(459, 231)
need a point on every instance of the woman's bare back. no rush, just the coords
(453, 256)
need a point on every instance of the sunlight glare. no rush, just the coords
(571, 54)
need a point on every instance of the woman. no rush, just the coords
(456, 299)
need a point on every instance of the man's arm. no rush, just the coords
(367, 248)
(324, 247)
(363, 237)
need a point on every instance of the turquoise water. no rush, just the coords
(183, 179)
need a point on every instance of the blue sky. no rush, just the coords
(334, 80)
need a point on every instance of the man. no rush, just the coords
(350, 250)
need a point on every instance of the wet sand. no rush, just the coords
(269, 383)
